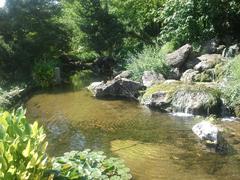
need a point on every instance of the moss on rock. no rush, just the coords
(196, 98)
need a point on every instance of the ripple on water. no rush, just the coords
(153, 145)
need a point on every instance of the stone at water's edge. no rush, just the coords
(177, 58)
(116, 88)
(175, 96)
(207, 132)
(159, 96)
(151, 78)
(196, 102)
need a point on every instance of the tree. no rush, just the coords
(31, 29)
(103, 33)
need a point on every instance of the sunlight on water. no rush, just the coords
(152, 144)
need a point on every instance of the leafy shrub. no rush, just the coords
(89, 165)
(232, 88)
(184, 21)
(150, 59)
(22, 147)
(43, 73)
(81, 79)
(199, 20)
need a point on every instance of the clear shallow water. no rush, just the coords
(153, 145)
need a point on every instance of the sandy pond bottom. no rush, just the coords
(152, 144)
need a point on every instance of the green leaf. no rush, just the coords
(27, 150)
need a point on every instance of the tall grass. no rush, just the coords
(151, 58)
(232, 89)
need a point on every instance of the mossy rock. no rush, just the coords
(196, 98)
(206, 76)
(197, 101)
(159, 96)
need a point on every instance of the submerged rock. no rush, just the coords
(116, 88)
(151, 78)
(207, 132)
(177, 58)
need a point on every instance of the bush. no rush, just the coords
(89, 165)
(198, 20)
(22, 147)
(81, 79)
(232, 88)
(184, 21)
(150, 59)
(43, 73)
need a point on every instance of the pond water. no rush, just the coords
(152, 144)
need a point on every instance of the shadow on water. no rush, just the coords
(154, 145)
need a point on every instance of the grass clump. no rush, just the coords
(151, 58)
(231, 90)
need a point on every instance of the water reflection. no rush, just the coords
(153, 145)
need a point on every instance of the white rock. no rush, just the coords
(206, 131)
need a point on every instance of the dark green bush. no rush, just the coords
(43, 73)
(81, 79)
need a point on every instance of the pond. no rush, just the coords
(153, 145)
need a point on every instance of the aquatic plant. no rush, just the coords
(89, 165)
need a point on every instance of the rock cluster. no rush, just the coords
(190, 86)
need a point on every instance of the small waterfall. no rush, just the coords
(183, 112)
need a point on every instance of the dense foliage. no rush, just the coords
(22, 147)
(30, 30)
(43, 73)
(90, 29)
(197, 20)
(89, 165)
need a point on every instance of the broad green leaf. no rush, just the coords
(27, 150)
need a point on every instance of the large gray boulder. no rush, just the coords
(116, 88)
(199, 101)
(176, 96)
(159, 96)
(177, 58)
(208, 61)
(207, 132)
(151, 78)
(189, 76)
